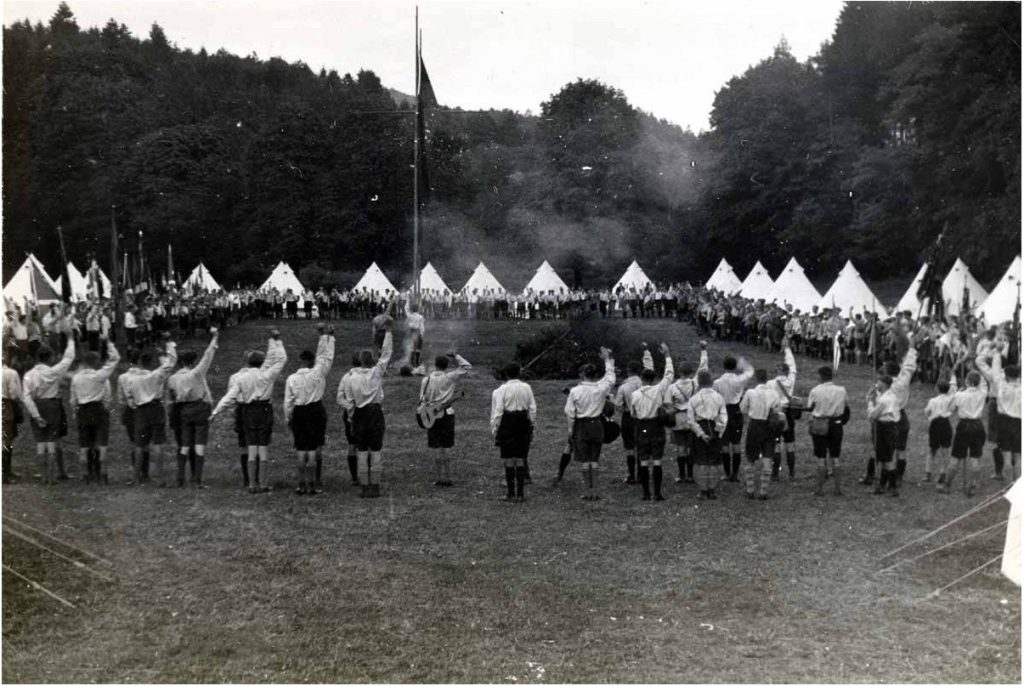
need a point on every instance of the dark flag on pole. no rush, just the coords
(425, 101)
(930, 289)
(65, 282)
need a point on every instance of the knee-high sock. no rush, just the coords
(974, 469)
(689, 467)
(254, 470)
(520, 480)
(182, 459)
(244, 461)
(681, 466)
(870, 475)
(748, 476)
(510, 481)
(954, 466)
(791, 462)
(901, 468)
(726, 463)
(997, 459)
(563, 464)
(200, 463)
(644, 478)
(192, 462)
(631, 466)
(376, 467)
(319, 472)
(736, 458)
(836, 470)
(767, 468)
(526, 469)
(776, 464)
(819, 475)
(353, 467)
(657, 476)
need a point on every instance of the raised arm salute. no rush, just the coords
(785, 384)
(1006, 382)
(144, 393)
(361, 394)
(304, 410)
(584, 408)
(252, 388)
(42, 399)
(646, 402)
(437, 392)
(90, 400)
(191, 395)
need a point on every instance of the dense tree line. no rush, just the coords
(907, 121)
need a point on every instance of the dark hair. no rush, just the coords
(634, 368)
(133, 355)
(510, 371)
(942, 387)
(783, 367)
(441, 362)
(885, 379)
(687, 369)
(256, 358)
(44, 354)
(188, 358)
(356, 360)
(891, 368)
(761, 375)
(825, 373)
(366, 358)
(1012, 371)
(648, 376)
(91, 359)
(145, 358)
(973, 378)
(307, 356)
(729, 363)
(704, 378)
(589, 371)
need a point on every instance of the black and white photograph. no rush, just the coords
(511, 341)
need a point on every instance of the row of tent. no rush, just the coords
(791, 288)
(849, 290)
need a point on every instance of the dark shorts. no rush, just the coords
(417, 341)
(587, 438)
(378, 339)
(628, 432)
(51, 410)
(706, 452)
(10, 422)
(150, 424)
(309, 426)
(760, 440)
(1008, 433)
(348, 428)
(969, 439)
(682, 437)
(940, 433)
(902, 431)
(93, 425)
(128, 422)
(650, 439)
(734, 428)
(886, 436)
(174, 420)
(194, 423)
(258, 422)
(515, 433)
(442, 433)
(368, 428)
(830, 445)
(239, 428)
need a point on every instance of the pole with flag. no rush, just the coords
(115, 278)
(1014, 352)
(425, 99)
(65, 284)
(170, 266)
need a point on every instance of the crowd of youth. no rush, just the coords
(745, 417)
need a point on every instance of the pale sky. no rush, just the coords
(668, 57)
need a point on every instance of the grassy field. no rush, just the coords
(427, 584)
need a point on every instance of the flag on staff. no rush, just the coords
(170, 268)
(425, 99)
(836, 351)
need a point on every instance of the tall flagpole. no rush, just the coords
(116, 279)
(416, 175)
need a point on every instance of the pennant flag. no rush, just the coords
(425, 99)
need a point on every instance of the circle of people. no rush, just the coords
(702, 417)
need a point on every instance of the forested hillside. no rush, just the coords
(908, 120)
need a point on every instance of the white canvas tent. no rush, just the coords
(482, 280)
(31, 282)
(633, 278)
(953, 286)
(545, 279)
(283, 279)
(909, 301)
(80, 282)
(850, 291)
(1002, 301)
(724, 279)
(794, 288)
(1011, 565)
(374, 280)
(430, 280)
(758, 283)
(201, 280)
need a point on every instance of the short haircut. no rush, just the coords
(783, 367)
(356, 360)
(307, 356)
(256, 358)
(761, 375)
(704, 378)
(188, 358)
(366, 358)
(973, 378)
(510, 371)
(145, 358)
(1012, 371)
(589, 371)
(91, 359)
(441, 362)
(942, 387)
(44, 354)
(648, 376)
(891, 368)
(414, 307)
(885, 379)
(687, 369)
(133, 355)
(729, 363)
(825, 373)
(634, 368)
